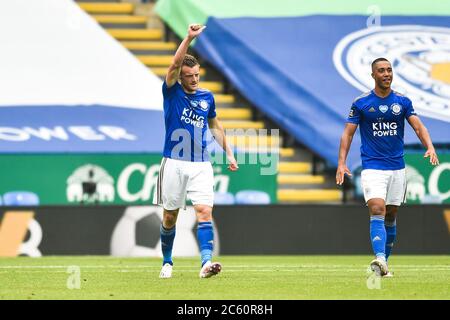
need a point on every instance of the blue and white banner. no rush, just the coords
(80, 129)
(304, 72)
(68, 86)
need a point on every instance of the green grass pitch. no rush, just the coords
(242, 278)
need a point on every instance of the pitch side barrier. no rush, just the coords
(240, 230)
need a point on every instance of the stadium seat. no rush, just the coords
(252, 197)
(431, 199)
(224, 198)
(20, 198)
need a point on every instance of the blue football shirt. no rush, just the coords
(186, 121)
(381, 125)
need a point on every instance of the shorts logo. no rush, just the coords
(383, 108)
(420, 56)
(396, 109)
(372, 109)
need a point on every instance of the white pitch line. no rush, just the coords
(344, 267)
(259, 268)
(323, 271)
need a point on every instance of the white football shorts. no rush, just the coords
(178, 179)
(389, 185)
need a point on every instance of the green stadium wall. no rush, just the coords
(121, 179)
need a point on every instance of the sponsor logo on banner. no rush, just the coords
(90, 183)
(65, 133)
(93, 184)
(420, 56)
(431, 189)
(13, 231)
(416, 184)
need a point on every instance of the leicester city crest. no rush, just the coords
(420, 57)
(396, 109)
(202, 104)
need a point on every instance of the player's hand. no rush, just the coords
(194, 30)
(233, 166)
(433, 157)
(341, 171)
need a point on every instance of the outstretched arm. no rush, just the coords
(218, 133)
(174, 69)
(424, 137)
(346, 141)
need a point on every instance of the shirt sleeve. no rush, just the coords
(167, 92)
(354, 115)
(212, 108)
(409, 108)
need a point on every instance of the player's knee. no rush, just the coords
(204, 213)
(391, 213)
(169, 218)
(377, 210)
(169, 222)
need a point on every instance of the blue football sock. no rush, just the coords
(378, 235)
(167, 237)
(391, 233)
(205, 236)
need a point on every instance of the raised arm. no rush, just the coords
(346, 141)
(173, 72)
(424, 137)
(219, 134)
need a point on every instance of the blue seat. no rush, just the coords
(252, 197)
(225, 198)
(20, 198)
